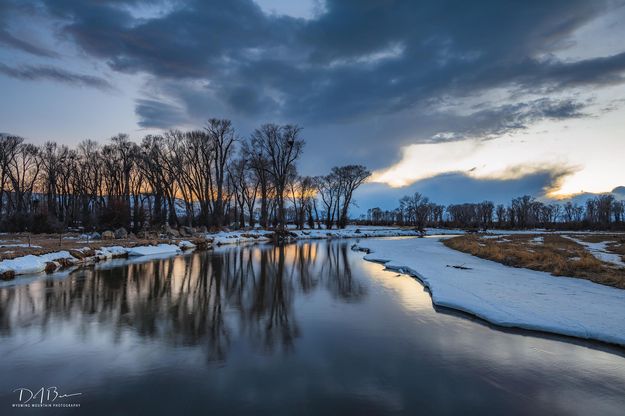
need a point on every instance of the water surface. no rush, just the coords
(308, 328)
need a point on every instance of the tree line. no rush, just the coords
(600, 212)
(207, 177)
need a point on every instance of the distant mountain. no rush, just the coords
(617, 193)
(619, 190)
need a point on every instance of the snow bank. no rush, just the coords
(36, 264)
(507, 296)
(31, 263)
(106, 253)
(152, 250)
(238, 237)
(186, 245)
(351, 232)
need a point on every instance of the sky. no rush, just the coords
(462, 101)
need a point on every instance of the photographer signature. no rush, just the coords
(42, 395)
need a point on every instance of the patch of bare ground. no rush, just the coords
(551, 253)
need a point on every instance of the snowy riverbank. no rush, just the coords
(506, 296)
(31, 264)
(55, 260)
(238, 237)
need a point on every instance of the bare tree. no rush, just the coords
(222, 137)
(350, 177)
(281, 146)
(303, 191)
(9, 146)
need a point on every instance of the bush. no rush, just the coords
(115, 215)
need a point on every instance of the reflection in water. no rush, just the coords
(183, 300)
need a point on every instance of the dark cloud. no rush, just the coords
(157, 114)
(379, 72)
(496, 121)
(7, 11)
(356, 58)
(31, 72)
(8, 39)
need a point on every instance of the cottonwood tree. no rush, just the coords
(222, 137)
(302, 191)
(258, 164)
(9, 146)
(416, 209)
(24, 172)
(328, 188)
(238, 182)
(281, 147)
(350, 177)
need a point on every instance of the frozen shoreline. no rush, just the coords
(54, 261)
(506, 296)
(34, 264)
(238, 237)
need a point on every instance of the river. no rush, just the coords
(303, 329)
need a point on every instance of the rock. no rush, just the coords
(132, 236)
(248, 235)
(202, 243)
(78, 254)
(8, 275)
(147, 235)
(108, 235)
(121, 233)
(186, 231)
(202, 229)
(50, 267)
(66, 262)
(170, 232)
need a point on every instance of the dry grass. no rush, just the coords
(555, 254)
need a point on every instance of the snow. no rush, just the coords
(31, 263)
(106, 253)
(444, 231)
(238, 237)
(538, 240)
(186, 245)
(353, 232)
(506, 296)
(600, 251)
(152, 250)
(19, 245)
(36, 264)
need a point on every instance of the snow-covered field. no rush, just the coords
(507, 296)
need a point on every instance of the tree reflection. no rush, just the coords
(200, 299)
